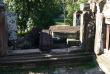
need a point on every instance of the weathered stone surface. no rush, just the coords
(11, 19)
(67, 50)
(73, 42)
(45, 41)
(1, 1)
(3, 32)
(93, 7)
(87, 30)
(74, 19)
(33, 35)
(95, 70)
(12, 25)
(98, 37)
(106, 10)
(65, 31)
(100, 6)
(30, 38)
(103, 62)
(102, 37)
(61, 71)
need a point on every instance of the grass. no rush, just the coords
(59, 23)
(51, 69)
(37, 68)
(90, 65)
(59, 19)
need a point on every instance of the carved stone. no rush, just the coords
(12, 24)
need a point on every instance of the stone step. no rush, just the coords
(37, 52)
(72, 49)
(42, 56)
(104, 62)
(24, 52)
(73, 42)
(68, 56)
(49, 60)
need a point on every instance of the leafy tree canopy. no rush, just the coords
(71, 7)
(35, 12)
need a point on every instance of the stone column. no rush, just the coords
(100, 23)
(3, 31)
(98, 48)
(87, 28)
(74, 19)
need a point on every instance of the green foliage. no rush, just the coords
(35, 12)
(71, 7)
(90, 65)
(83, 1)
(58, 8)
(59, 23)
(41, 68)
(41, 13)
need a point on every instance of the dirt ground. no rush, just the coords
(62, 70)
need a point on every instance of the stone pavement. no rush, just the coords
(95, 70)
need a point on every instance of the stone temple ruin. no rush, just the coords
(11, 24)
(93, 19)
(11, 18)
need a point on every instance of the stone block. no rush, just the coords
(73, 42)
(11, 24)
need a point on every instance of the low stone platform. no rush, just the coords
(67, 50)
(72, 55)
(72, 42)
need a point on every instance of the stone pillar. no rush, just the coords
(77, 18)
(11, 24)
(83, 7)
(3, 31)
(82, 28)
(87, 28)
(98, 48)
(74, 19)
(100, 23)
